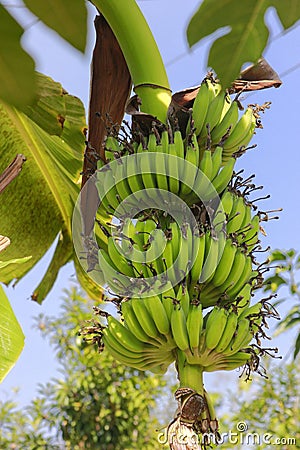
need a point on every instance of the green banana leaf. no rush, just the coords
(37, 207)
(67, 18)
(16, 86)
(11, 337)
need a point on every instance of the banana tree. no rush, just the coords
(179, 228)
(194, 137)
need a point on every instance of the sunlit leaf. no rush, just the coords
(277, 255)
(245, 34)
(17, 87)
(14, 261)
(291, 253)
(11, 337)
(274, 283)
(39, 202)
(68, 18)
(297, 346)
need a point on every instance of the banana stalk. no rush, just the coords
(190, 375)
(136, 40)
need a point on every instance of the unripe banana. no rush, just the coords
(122, 185)
(214, 326)
(194, 325)
(112, 146)
(198, 258)
(179, 328)
(211, 258)
(145, 319)
(252, 311)
(133, 324)
(251, 237)
(228, 332)
(124, 336)
(228, 122)
(241, 133)
(206, 164)
(204, 97)
(245, 277)
(216, 109)
(244, 298)
(225, 264)
(158, 313)
(148, 164)
(237, 215)
(183, 299)
(174, 176)
(134, 177)
(168, 298)
(121, 263)
(222, 179)
(216, 161)
(237, 341)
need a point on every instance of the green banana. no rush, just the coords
(134, 177)
(227, 123)
(216, 108)
(122, 185)
(206, 164)
(145, 319)
(168, 298)
(237, 215)
(222, 179)
(228, 332)
(215, 326)
(160, 162)
(158, 313)
(113, 278)
(118, 259)
(183, 299)
(133, 324)
(201, 103)
(237, 341)
(198, 258)
(124, 336)
(251, 236)
(216, 161)
(251, 311)
(245, 277)
(225, 264)
(111, 147)
(147, 163)
(194, 324)
(244, 297)
(211, 258)
(241, 133)
(179, 328)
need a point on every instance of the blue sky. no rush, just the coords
(276, 161)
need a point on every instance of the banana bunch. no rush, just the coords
(217, 122)
(214, 267)
(220, 271)
(144, 340)
(155, 327)
(218, 340)
(167, 162)
(233, 215)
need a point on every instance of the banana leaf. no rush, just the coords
(11, 337)
(37, 206)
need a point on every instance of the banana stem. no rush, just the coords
(141, 54)
(190, 375)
